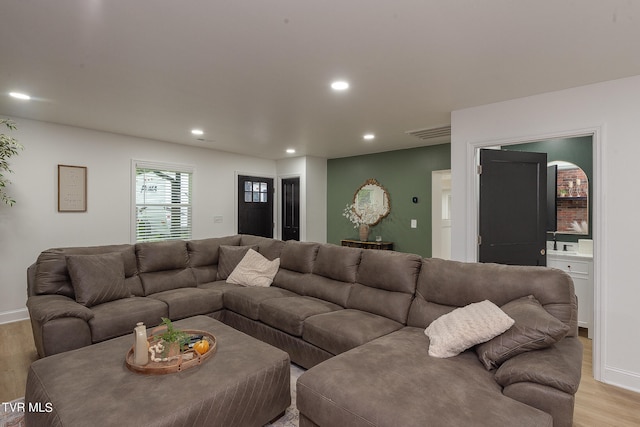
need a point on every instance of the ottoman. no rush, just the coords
(245, 383)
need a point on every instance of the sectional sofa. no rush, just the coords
(355, 318)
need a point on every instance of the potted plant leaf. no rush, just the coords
(173, 340)
(9, 147)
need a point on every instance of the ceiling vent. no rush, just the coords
(431, 133)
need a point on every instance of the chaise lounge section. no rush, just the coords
(355, 318)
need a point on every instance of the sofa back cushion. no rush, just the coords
(386, 282)
(97, 278)
(204, 255)
(164, 266)
(52, 276)
(230, 257)
(445, 285)
(337, 262)
(299, 256)
(268, 248)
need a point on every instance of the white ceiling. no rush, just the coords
(255, 74)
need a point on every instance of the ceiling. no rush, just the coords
(254, 75)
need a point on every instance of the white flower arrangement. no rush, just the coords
(358, 217)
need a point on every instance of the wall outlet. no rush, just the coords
(217, 219)
(414, 223)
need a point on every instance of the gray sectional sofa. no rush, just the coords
(355, 318)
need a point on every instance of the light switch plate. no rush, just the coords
(414, 223)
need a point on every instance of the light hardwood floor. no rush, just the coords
(597, 404)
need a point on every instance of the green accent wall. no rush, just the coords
(577, 150)
(405, 174)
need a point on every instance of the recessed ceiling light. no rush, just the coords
(19, 95)
(291, 150)
(197, 132)
(368, 136)
(340, 85)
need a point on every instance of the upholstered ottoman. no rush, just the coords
(245, 383)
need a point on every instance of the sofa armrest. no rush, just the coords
(58, 323)
(43, 308)
(559, 367)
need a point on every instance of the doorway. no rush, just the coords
(569, 145)
(441, 214)
(255, 205)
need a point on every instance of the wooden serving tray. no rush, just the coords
(177, 365)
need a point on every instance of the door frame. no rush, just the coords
(276, 197)
(598, 226)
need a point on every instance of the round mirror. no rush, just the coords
(371, 202)
(571, 198)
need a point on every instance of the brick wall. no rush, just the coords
(572, 203)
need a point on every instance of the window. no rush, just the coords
(162, 202)
(255, 192)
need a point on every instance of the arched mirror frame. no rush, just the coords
(571, 190)
(360, 201)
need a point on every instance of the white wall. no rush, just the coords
(612, 109)
(33, 223)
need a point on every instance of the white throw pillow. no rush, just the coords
(254, 270)
(464, 327)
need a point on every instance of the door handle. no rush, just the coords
(542, 252)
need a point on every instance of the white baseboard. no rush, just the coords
(621, 378)
(14, 316)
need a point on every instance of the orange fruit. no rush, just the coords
(201, 347)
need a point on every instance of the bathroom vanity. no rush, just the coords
(580, 267)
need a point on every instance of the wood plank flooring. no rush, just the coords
(597, 404)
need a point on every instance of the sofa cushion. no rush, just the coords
(392, 381)
(204, 255)
(254, 270)
(394, 305)
(327, 289)
(299, 256)
(204, 252)
(160, 281)
(267, 247)
(289, 314)
(116, 318)
(464, 327)
(337, 262)
(533, 329)
(97, 278)
(388, 270)
(342, 330)
(52, 276)
(162, 256)
(246, 301)
(230, 257)
(187, 302)
(444, 284)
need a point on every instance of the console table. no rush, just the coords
(368, 245)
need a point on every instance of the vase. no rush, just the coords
(364, 232)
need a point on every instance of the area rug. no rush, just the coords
(12, 413)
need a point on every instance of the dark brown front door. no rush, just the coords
(255, 206)
(513, 200)
(291, 209)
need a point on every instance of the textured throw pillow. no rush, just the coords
(254, 270)
(229, 257)
(464, 327)
(534, 329)
(97, 279)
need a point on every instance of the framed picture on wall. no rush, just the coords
(72, 188)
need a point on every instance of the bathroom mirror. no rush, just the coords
(571, 198)
(371, 202)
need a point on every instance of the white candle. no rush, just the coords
(578, 181)
(570, 184)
